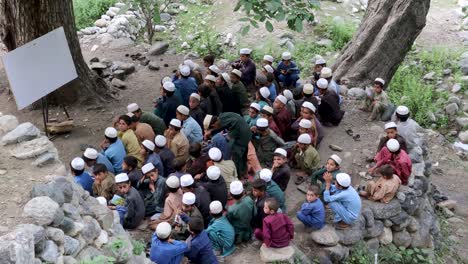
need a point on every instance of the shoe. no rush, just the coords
(342, 225)
(299, 180)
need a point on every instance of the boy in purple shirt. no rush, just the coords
(312, 213)
(278, 229)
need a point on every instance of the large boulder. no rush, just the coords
(422, 237)
(25, 131)
(56, 235)
(71, 245)
(91, 229)
(357, 92)
(50, 254)
(352, 234)
(325, 236)
(17, 247)
(386, 237)
(33, 148)
(38, 233)
(158, 48)
(275, 255)
(42, 210)
(382, 210)
(8, 123)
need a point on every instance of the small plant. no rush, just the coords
(359, 254)
(99, 260)
(138, 247)
(339, 32)
(393, 254)
(86, 11)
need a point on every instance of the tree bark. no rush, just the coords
(387, 32)
(24, 20)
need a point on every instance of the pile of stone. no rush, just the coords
(115, 71)
(68, 226)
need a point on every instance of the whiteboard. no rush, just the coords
(39, 67)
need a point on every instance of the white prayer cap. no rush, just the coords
(184, 70)
(213, 173)
(77, 163)
(133, 107)
(282, 99)
(215, 154)
(304, 139)
(147, 168)
(166, 79)
(380, 80)
(265, 175)
(402, 110)
(390, 125)
(227, 79)
(175, 123)
(326, 73)
(336, 158)
(130, 114)
(169, 86)
(262, 123)
(196, 96)
(265, 92)
(91, 153)
(186, 180)
(216, 207)
(322, 83)
(122, 177)
(210, 77)
(160, 141)
(190, 63)
(237, 72)
(148, 144)
(268, 109)
(268, 68)
(304, 123)
(207, 121)
(268, 58)
(280, 151)
(245, 51)
(101, 200)
(320, 61)
(288, 94)
(173, 182)
(308, 88)
(236, 187)
(163, 230)
(343, 179)
(393, 145)
(255, 106)
(286, 55)
(182, 109)
(110, 132)
(309, 105)
(189, 198)
(214, 69)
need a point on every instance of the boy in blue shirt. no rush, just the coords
(312, 213)
(113, 149)
(199, 244)
(164, 249)
(81, 177)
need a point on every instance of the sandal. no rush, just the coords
(349, 132)
(341, 225)
(357, 137)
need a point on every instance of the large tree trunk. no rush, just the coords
(385, 35)
(24, 20)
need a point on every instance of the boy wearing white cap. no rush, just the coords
(92, 157)
(172, 203)
(240, 212)
(287, 71)
(166, 155)
(320, 63)
(376, 100)
(265, 142)
(147, 150)
(343, 199)
(190, 128)
(238, 89)
(220, 231)
(152, 188)
(177, 141)
(156, 123)
(203, 200)
(195, 110)
(80, 176)
(168, 102)
(261, 97)
(272, 189)
(189, 210)
(410, 131)
(392, 132)
(267, 113)
(216, 185)
(113, 148)
(135, 207)
(254, 114)
(226, 166)
(307, 112)
(332, 167)
(164, 249)
(329, 109)
(104, 182)
(307, 158)
(246, 65)
(399, 160)
(280, 168)
(282, 116)
(290, 103)
(185, 84)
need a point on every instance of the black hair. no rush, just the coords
(314, 189)
(334, 161)
(75, 171)
(403, 118)
(209, 59)
(178, 164)
(111, 140)
(195, 150)
(270, 77)
(217, 215)
(86, 159)
(168, 93)
(196, 225)
(135, 118)
(149, 151)
(213, 120)
(204, 90)
(175, 128)
(213, 73)
(259, 184)
(172, 190)
(98, 168)
(272, 204)
(379, 84)
(237, 196)
(131, 162)
(126, 119)
(266, 112)
(386, 170)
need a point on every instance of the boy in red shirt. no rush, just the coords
(278, 229)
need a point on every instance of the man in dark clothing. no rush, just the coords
(209, 103)
(246, 65)
(186, 85)
(216, 185)
(195, 110)
(188, 184)
(166, 155)
(156, 123)
(260, 195)
(329, 109)
(196, 165)
(223, 88)
(167, 103)
(238, 90)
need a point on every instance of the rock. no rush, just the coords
(386, 237)
(154, 66)
(33, 148)
(456, 88)
(8, 123)
(50, 253)
(191, 55)
(352, 234)
(337, 253)
(102, 239)
(91, 229)
(431, 117)
(71, 211)
(165, 17)
(387, 223)
(39, 235)
(69, 260)
(373, 245)
(119, 84)
(158, 48)
(463, 137)
(119, 74)
(105, 39)
(451, 109)
(159, 28)
(357, 93)
(399, 218)
(17, 247)
(429, 76)
(335, 147)
(413, 225)
(463, 63)
(447, 72)
(274, 255)
(381, 210)
(101, 23)
(128, 68)
(42, 210)
(454, 99)
(422, 238)
(105, 17)
(374, 231)
(455, 220)
(139, 260)
(325, 236)
(88, 253)
(325, 42)
(114, 9)
(97, 66)
(369, 216)
(401, 239)
(71, 246)
(450, 204)
(462, 121)
(23, 132)
(56, 235)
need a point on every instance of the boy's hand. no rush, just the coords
(327, 176)
(112, 207)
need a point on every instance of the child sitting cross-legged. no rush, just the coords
(312, 213)
(278, 229)
(385, 188)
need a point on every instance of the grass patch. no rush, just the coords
(338, 31)
(88, 11)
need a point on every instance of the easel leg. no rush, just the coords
(45, 114)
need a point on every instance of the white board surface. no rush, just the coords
(39, 67)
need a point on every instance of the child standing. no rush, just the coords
(80, 176)
(260, 195)
(312, 213)
(386, 186)
(272, 189)
(199, 244)
(220, 231)
(277, 229)
(240, 213)
(164, 249)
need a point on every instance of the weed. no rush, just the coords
(337, 31)
(359, 254)
(445, 246)
(138, 247)
(99, 260)
(86, 11)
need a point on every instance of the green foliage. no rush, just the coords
(116, 245)
(99, 260)
(138, 247)
(338, 31)
(88, 11)
(392, 254)
(408, 88)
(445, 245)
(359, 254)
(260, 11)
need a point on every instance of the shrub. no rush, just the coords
(88, 11)
(339, 32)
(138, 247)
